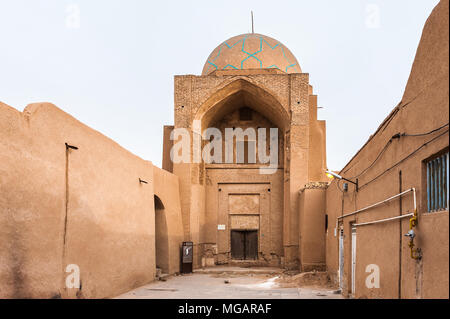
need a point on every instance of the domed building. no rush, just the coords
(251, 51)
(253, 185)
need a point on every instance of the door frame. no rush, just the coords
(353, 260)
(341, 257)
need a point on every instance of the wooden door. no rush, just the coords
(251, 244)
(237, 244)
(244, 244)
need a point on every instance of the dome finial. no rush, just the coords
(253, 30)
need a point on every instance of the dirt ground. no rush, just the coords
(285, 279)
(313, 279)
(237, 282)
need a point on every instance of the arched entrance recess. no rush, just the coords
(161, 237)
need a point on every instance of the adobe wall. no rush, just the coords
(84, 207)
(166, 187)
(167, 163)
(312, 227)
(317, 137)
(424, 107)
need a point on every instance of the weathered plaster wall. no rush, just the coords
(166, 187)
(424, 107)
(167, 163)
(84, 207)
(312, 228)
(317, 138)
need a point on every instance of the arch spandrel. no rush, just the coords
(230, 97)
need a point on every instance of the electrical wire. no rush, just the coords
(402, 160)
(376, 159)
(427, 133)
(401, 106)
(339, 187)
(395, 136)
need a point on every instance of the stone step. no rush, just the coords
(238, 270)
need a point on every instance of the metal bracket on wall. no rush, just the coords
(71, 147)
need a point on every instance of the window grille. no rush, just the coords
(437, 183)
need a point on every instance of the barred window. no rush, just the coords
(437, 183)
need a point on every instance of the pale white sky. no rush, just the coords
(111, 63)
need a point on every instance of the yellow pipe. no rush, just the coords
(413, 222)
(415, 253)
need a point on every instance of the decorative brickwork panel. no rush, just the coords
(243, 204)
(244, 222)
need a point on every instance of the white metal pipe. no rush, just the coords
(384, 220)
(373, 205)
(383, 201)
